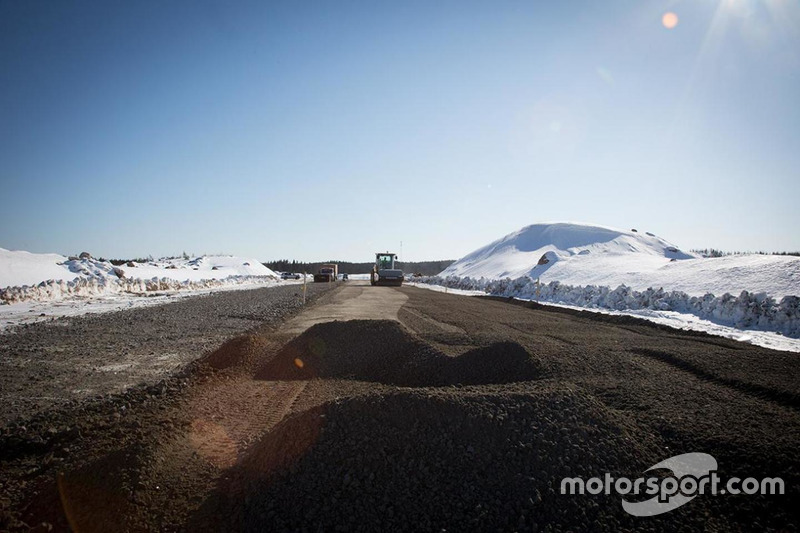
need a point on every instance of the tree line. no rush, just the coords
(426, 268)
(713, 252)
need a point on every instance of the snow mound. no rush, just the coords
(582, 254)
(25, 268)
(539, 248)
(26, 276)
(597, 267)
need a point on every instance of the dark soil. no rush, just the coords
(465, 415)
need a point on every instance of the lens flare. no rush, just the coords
(669, 20)
(212, 442)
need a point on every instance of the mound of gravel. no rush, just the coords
(383, 351)
(235, 352)
(458, 459)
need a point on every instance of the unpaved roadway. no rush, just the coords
(383, 408)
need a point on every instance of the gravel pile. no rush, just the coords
(236, 352)
(435, 459)
(383, 351)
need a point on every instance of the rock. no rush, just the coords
(130, 264)
(119, 272)
(85, 255)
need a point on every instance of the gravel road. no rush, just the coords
(50, 363)
(461, 414)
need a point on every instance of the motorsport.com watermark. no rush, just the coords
(694, 474)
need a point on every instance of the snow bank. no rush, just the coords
(578, 264)
(746, 311)
(582, 254)
(46, 277)
(25, 268)
(80, 287)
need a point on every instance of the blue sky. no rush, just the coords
(315, 130)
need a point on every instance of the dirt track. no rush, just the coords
(450, 413)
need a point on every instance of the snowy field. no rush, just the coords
(35, 287)
(752, 298)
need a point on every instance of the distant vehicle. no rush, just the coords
(384, 271)
(290, 275)
(343, 277)
(327, 273)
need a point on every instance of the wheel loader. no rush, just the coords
(384, 271)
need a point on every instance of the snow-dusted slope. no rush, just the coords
(18, 268)
(636, 272)
(24, 268)
(43, 277)
(582, 254)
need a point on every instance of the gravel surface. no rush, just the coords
(47, 364)
(474, 459)
(464, 415)
(349, 349)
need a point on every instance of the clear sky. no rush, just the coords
(315, 130)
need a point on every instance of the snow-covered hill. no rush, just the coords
(42, 277)
(582, 254)
(638, 273)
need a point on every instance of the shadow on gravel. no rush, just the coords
(784, 398)
(382, 351)
(94, 497)
(434, 460)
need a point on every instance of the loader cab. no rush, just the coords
(385, 261)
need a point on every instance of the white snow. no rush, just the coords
(28, 277)
(636, 272)
(582, 254)
(25, 268)
(31, 311)
(563, 244)
(18, 268)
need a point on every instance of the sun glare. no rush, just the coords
(669, 20)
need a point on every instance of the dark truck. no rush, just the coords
(326, 273)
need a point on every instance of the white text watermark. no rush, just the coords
(693, 474)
